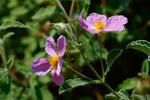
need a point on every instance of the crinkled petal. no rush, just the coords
(58, 79)
(41, 66)
(61, 45)
(93, 18)
(116, 23)
(59, 67)
(50, 46)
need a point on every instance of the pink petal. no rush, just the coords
(116, 23)
(59, 67)
(41, 66)
(91, 20)
(82, 22)
(58, 79)
(61, 45)
(50, 47)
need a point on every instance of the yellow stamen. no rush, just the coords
(54, 62)
(99, 25)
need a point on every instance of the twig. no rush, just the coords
(71, 9)
(3, 56)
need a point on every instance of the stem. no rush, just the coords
(91, 67)
(80, 73)
(77, 72)
(110, 89)
(3, 56)
(101, 60)
(71, 9)
(62, 8)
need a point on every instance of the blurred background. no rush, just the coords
(27, 44)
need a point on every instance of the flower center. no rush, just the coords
(54, 62)
(99, 25)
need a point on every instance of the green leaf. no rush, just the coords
(140, 45)
(73, 83)
(12, 24)
(5, 84)
(128, 84)
(46, 95)
(110, 96)
(44, 79)
(10, 62)
(145, 69)
(123, 94)
(85, 7)
(112, 56)
(8, 35)
(44, 13)
(137, 97)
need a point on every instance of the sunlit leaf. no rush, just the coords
(128, 84)
(44, 13)
(12, 24)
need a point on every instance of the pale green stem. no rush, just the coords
(80, 73)
(77, 72)
(91, 67)
(62, 8)
(103, 81)
(101, 60)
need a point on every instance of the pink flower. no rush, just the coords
(96, 23)
(42, 66)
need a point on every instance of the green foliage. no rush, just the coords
(44, 13)
(12, 24)
(145, 69)
(85, 7)
(128, 84)
(122, 93)
(73, 83)
(140, 45)
(8, 35)
(10, 62)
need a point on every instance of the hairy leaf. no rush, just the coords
(44, 13)
(12, 24)
(140, 45)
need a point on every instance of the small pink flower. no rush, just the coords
(96, 23)
(42, 66)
